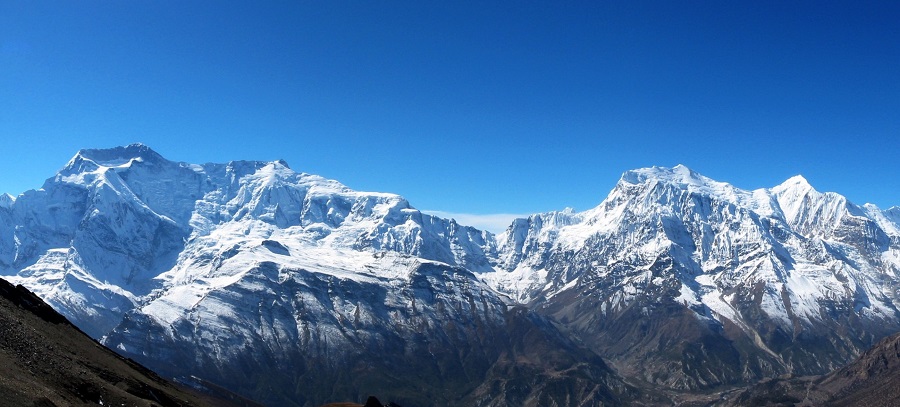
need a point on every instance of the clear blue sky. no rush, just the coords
(464, 107)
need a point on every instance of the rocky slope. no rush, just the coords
(871, 380)
(46, 361)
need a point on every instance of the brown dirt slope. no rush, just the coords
(46, 361)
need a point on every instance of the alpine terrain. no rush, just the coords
(292, 289)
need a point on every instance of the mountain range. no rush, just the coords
(292, 289)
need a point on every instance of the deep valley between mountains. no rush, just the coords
(290, 289)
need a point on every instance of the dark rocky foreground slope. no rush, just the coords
(46, 361)
(873, 380)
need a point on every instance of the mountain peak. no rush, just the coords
(282, 163)
(797, 185)
(117, 156)
(798, 180)
(6, 200)
(678, 174)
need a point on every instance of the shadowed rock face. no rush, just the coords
(46, 361)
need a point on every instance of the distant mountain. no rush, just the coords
(690, 283)
(293, 289)
(46, 361)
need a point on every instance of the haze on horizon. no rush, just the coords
(464, 108)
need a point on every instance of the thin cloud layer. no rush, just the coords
(494, 223)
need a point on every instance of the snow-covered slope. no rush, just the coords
(99, 236)
(672, 259)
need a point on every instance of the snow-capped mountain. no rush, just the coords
(114, 225)
(285, 287)
(690, 283)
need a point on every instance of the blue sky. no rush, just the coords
(464, 107)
